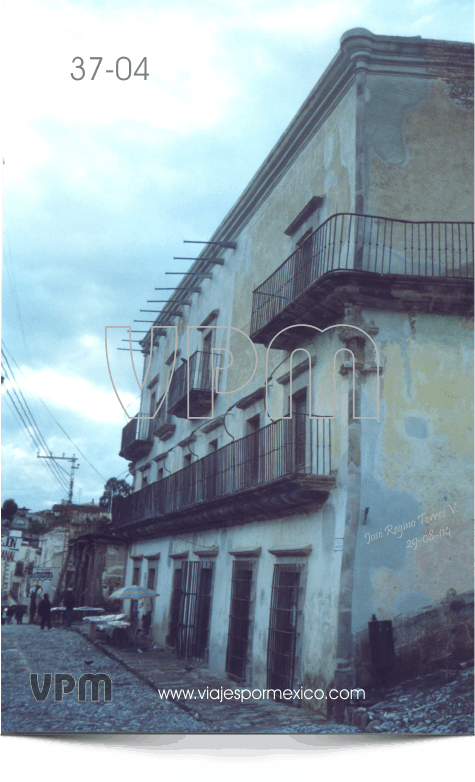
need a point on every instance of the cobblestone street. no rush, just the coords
(135, 707)
(437, 704)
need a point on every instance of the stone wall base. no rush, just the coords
(437, 637)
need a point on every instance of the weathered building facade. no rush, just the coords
(343, 277)
(79, 551)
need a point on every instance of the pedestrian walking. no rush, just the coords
(19, 615)
(44, 610)
(69, 603)
(32, 608)
(10, 614)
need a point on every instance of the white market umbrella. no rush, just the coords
(133, 593)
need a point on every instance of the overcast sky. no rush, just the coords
(103, 179)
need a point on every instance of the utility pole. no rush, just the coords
(65, 556)
(73, 459)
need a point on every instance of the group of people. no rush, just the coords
(14, 611)
(43, 609)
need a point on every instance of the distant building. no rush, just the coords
(272, 537)
(77, 549)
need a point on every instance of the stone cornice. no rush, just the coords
(391, 55)
(179, 555)
(214, 424)
(249, 400)
(207, 552)
(246, 553)
(302, 551)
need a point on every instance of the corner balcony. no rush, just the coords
(194, 376)
(136, 441)
(366, 261)
(279, 470)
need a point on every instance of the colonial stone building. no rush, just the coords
(303, 456)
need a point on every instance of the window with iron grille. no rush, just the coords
(136, 576)
(174, 607)
(303, 262)
(195, 610)
(240, 617)
(299, 414)
(283, 647)
(151, 577)
(253, 448)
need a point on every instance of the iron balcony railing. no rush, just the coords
(135, 437)
(198, 370)
(128, 434)
(366, 243)
(283, 448)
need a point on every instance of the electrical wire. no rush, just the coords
(57, 422)
(32, 426)
(13, 412)
(59, 478)
(29, 414)
(11, 274)
(71, 441)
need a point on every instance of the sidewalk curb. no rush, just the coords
(145, 679)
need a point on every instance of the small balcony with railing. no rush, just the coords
(136, 439)
(162, 424)
(368, 261)
(190, 393)
(272, 472)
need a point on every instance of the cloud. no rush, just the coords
(105, 178)
(75, 394)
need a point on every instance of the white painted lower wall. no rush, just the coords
(319, 594)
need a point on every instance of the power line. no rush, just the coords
(31, 431)
(33, 437)
(13, 411)
(11, 274)
(39, 440)
(57, 476)
(31, 416)
(57, 422)
(76, 446)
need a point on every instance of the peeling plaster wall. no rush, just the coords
(418, 149)
(325, 167)
(417, 459)
(404, 144)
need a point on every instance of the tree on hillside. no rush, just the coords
(37, 527)
(9, 508)
(114, 488)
